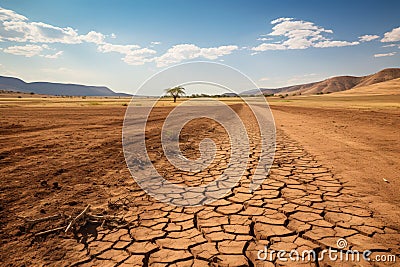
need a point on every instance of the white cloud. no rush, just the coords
(93, 37)
(368, 37)
(122, 49)
(55, 55)
(152, 44)
(31, 50)
(264, 39)
(279, 20)
(182, 52)
(299, 34)
(25, 50)
(297, 42)
(385, 55)
(392, 45)
(263, 79)
(6, 14)
(178, 53)
(392, 36)
(17, 28)
(216, 52)
(268, 46)
(139, 56)
(324, 44)
(113, 36)
(133, 54)
(37, 32)
(297, 28)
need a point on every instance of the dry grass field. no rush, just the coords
(335, 175)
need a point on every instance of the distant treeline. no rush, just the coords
(206, 95)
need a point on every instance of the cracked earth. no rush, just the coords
(301, 205)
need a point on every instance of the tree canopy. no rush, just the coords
(176, 92)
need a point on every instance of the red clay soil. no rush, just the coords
(56, 161)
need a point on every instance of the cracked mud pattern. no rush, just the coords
(301, 205)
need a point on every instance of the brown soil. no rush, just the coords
(57, 160)
(360, 146)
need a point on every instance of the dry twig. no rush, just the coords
(50, 231)
(82, 214)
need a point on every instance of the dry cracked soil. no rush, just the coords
(55, 161)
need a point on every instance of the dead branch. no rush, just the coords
(48, 218)
(50, 231)
(82, 214)
(31, 223)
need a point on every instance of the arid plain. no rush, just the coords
(335, 175)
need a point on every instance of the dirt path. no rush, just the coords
(301, 205)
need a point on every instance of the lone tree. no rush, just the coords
(176, 92)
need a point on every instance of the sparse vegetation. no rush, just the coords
(176, 92)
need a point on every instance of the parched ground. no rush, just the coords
(361, 146)
(57, 160)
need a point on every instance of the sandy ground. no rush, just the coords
(326, 183)
(361, 146)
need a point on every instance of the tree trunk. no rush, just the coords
(174, 99)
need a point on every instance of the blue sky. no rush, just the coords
(120, 44)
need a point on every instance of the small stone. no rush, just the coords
(56, 186)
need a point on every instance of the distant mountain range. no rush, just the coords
(48, 88)
(335, 84)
